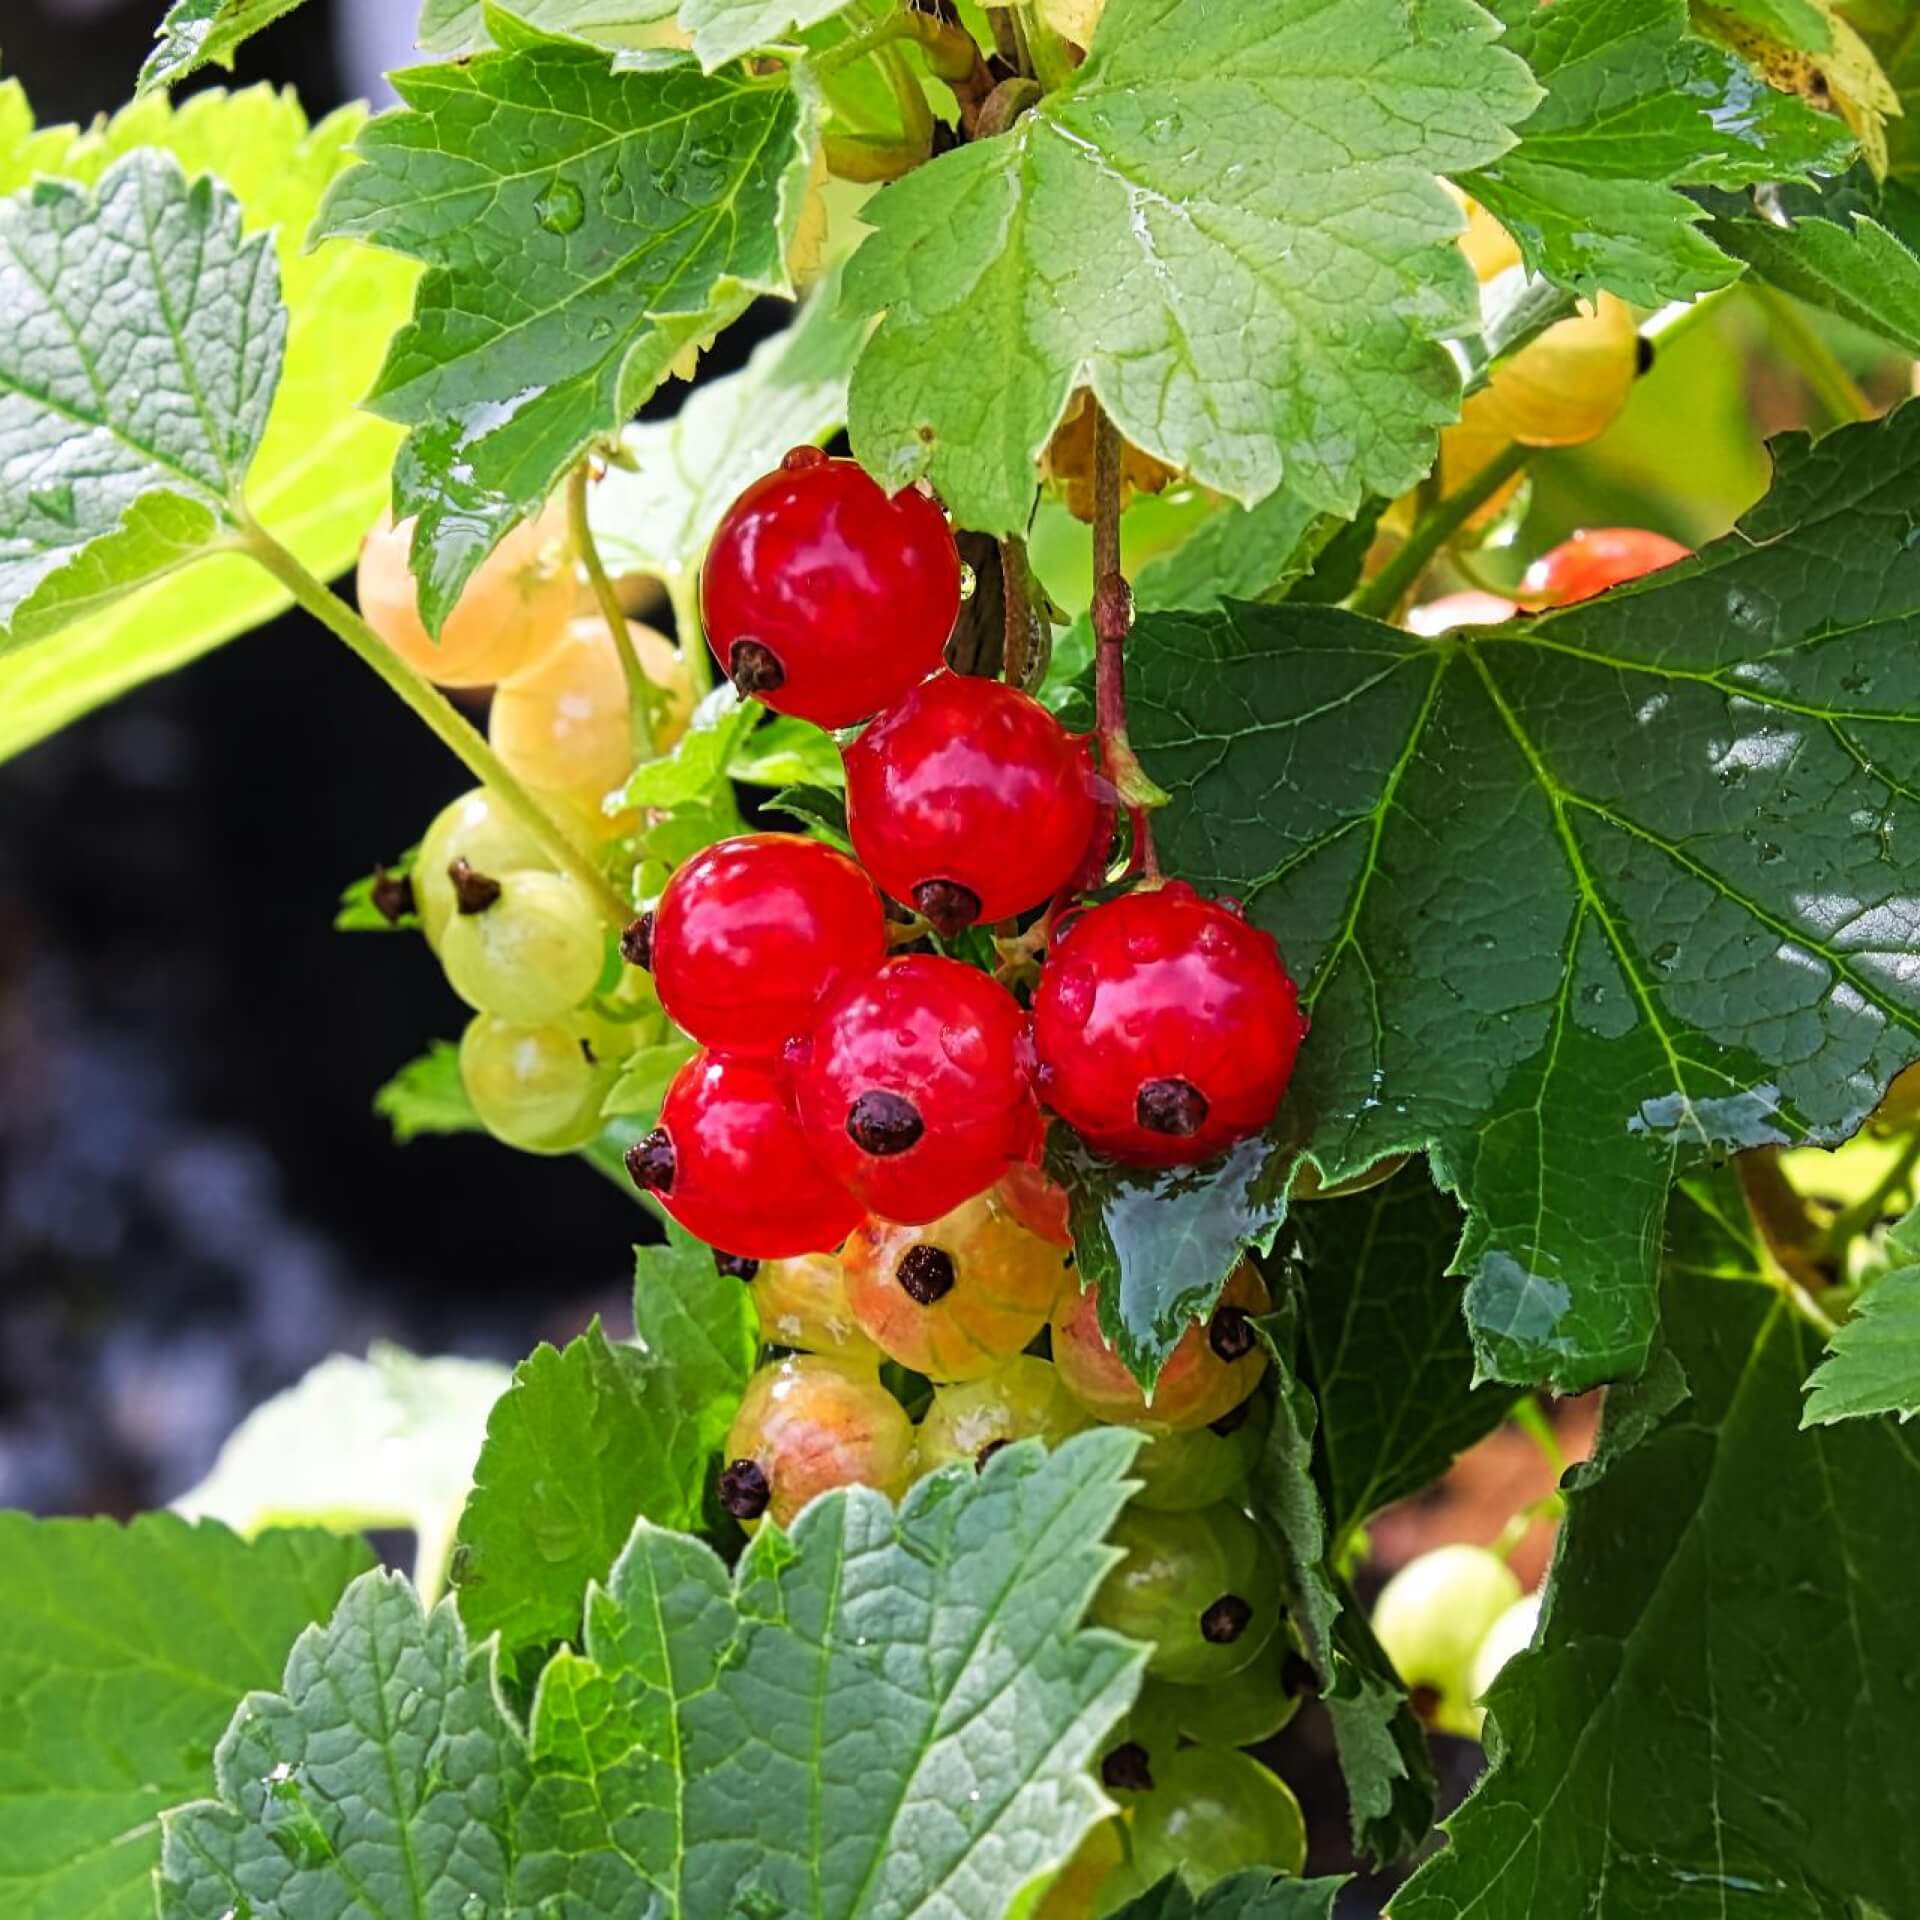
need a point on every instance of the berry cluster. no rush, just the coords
(838, 1083)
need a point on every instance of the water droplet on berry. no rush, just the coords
(1074, 992)
(967, 1048)
(798, 459)
(561, 207)
(968, 581)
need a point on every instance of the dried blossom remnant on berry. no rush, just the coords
(636, 943)
(473, 891)
(1230, 1333)
(650, 1162)
(1225, 1620)
(744, 1490)
(884, 1124)
(1170, 1106)
(948, 907)
(1127, 1769)
(754, 669)
(736, 1266)
(925, 1273)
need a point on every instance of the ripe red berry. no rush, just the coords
(728, 1161)
(1165, 1026)
(752, 933)
(969, 800)
(915, 1086)
(824, 597)
(1593, 560)
(1032, 1195)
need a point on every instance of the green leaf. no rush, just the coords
(427, 1096)
(127, 1651)
(460, 27)
(821, 811)
(592, 1438)
(788, 752)
(1854, 251)
(1636, 108)
(321, 475)
(376, 1780)
(842, 1749)
(1387, 1346)
(144, 339)
(725, 29)
(388, 1441)
(198, 33)
(1561, 979)
(581, 228)
(1382, 1749)
(696, 769)
(645, 1075)
(657, 515)
(1718, 1647)
(1241, 1896)
(1873, 1362)
(1242, 320)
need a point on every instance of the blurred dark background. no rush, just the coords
(196, 1199)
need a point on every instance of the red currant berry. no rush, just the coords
(824, 597)
(730, 1164)
(969, 800)
(751, 934)
(1166, 1027)
(1593, 560)
(915, 1087)
(1034, 1198)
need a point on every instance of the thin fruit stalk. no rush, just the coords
(1112, 621)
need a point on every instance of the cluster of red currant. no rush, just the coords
(837, 1082)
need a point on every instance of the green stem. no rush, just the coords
(1381, 596)
(1673, 323)
(1866, 1212)
(1837, 390)
(1549, 1507)
(644, 699)
(1052, 65)
(454, 731)
(856, 46)
(1531, 1418)
(690, 631)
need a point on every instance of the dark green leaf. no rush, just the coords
(1636, 108)
(143, 343)
(560, 291)
(1241, 1896)
(1562, 977)
(1383, 1752)
(1717, 1717)
(1243, 316)
(196, 33)
(590, 1439)
(1386, 1343)
(820, 810)
(127, 1650)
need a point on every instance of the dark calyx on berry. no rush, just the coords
(636, 944)
(736, 1266)
(949, 907)
(744, 1491)
(1230, 1423)
(884, 1124)
(987, 1452)
(1126, 1770)
(1230, 1333)
(392, 895)
(1171, 1106)
(650, 1162)
(754, 669)
(925, 1273)
(1225, 1620)
(473, 892)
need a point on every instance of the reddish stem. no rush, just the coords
(1112, 621)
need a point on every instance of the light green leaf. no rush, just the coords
(844, 1749)
(1243, 317)
(725, 29)
(388, 1441)
(590, 1439)
(789, 752)
(1387, 1348)
(1562, 979)
(427, 1096)
(460, 27)
(1873, 1362)
(1382, 1750)
(645, 1075)
(697, 767)
(143, 342)
(321, 475)
(1726, 1637)
(558, 293)
(1794, 23)
(378, 1778)
(1637, 108)
(197, 33)
(658, 515)
(127, 1650)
